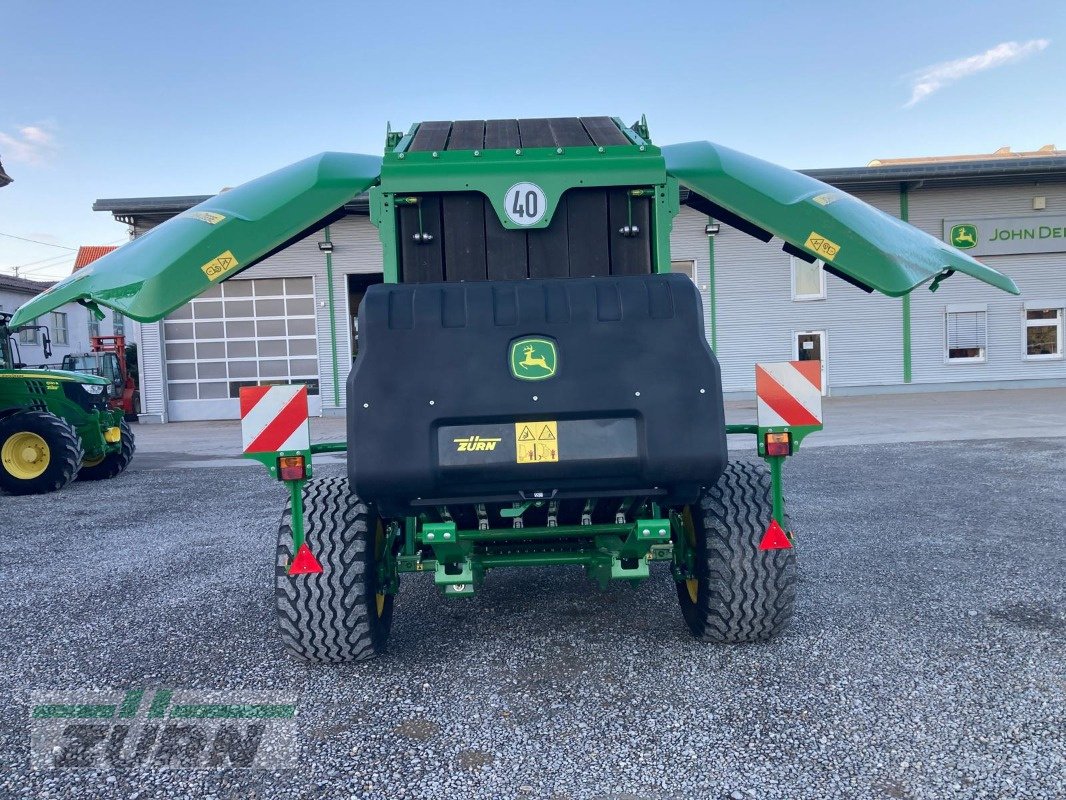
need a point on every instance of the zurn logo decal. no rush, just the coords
(162, 728)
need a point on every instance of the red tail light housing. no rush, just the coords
(291, 468)
(778, 444)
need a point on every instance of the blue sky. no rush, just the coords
(145, 99)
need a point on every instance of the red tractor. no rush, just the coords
(107, 358)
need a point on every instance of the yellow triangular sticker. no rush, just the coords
(219, 266)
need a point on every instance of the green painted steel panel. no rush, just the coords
(173, 263)
(868, 245)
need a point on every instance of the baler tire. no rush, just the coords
(742, 593)
(337, 615)
(112, 464)
(64, 452)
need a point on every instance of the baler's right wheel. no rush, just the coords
(739, 593)
(336, 615)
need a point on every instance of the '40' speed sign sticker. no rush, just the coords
(525, 203)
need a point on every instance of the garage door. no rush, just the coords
(240, 333)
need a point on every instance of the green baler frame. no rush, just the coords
(620, 551)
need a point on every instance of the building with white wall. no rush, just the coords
(291, 318)
(69, 327)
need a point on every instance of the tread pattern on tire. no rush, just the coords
(63, 442)
(745, 594)
(331, 617)
(114, 464)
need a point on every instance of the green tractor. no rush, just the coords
(55, 425)
(533, 387)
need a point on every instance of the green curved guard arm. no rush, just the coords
(854, 240)
(180, 259)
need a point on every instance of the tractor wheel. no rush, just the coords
(739, 593)
(336, 615)
(39, 452)
(112, 464)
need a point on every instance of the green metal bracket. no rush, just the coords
(296, 495)
(520, 508)
(652, 530)
(453, 571)
(296, 498)
(799, 432)
(637, 572)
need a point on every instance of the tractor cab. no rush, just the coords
(103, 364)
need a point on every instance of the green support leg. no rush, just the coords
(296, 493)
(776, 489)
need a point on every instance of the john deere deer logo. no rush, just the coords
(533, 359)
(964, 236)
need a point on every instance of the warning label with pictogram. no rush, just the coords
(536, 442)
(220, 265)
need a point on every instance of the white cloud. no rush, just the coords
(31, 144)
(931, 79)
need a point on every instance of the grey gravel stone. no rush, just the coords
(925, 660)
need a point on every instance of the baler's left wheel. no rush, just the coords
(339, 614)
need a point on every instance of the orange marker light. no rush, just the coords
(291, 468)
(779, 444)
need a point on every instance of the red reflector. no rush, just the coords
(291, 468)
(778, 444)
(774, 538)
(305, 562)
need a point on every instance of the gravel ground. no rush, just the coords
(925, 660)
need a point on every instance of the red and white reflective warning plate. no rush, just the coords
(789, 393)
(274, 418)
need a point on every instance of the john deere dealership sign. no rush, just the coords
(996, 236)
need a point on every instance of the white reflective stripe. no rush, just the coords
(767, 416)
(796, 384)
(265, 411)
(300, 439)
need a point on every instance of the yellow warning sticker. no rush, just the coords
(210, 217)
(536, 442)
(825, 249)
(825, 198)
(219, 266)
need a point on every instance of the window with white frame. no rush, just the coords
(118, 323)
(30, 335)
(1043, 330)
(684, 267)
(808, 280)
(965, 333)
(59, 328)
(94, 326)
